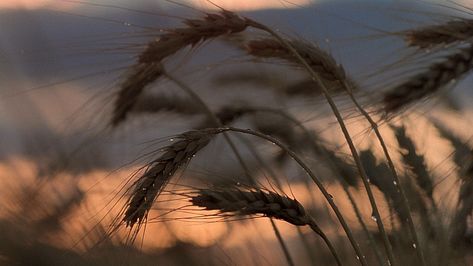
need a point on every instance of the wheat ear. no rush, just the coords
(166, 103)
(431, 36)
(217, 123)
(314, 178)
(459, 223)
(149, 64)
(152, 182)
(259, 202)
(428, 82)
(330, 71)
(414, 162)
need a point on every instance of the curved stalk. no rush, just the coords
(317, 230)
(347, 136)
(314, 178)
(400, 190)
(217, 123)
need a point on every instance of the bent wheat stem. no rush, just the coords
(217, 123)
(347, 136)
(314, 178)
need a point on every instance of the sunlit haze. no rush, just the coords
(204, 4)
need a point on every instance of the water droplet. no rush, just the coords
(127, 24)
(395, 183)
(238, 183)
(414, 245)
(373, 217)
(171, 140)
(358, 258)
(330, 195)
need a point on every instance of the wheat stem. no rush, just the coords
(217, 123)
(317, 230)
(348, 138)
(316, 180)
(363, 224)
(400, 190)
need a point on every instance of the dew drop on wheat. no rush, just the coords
(395, 183)
(171, 140)
(373, 217)
(414, 246)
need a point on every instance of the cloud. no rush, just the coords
(35, 4)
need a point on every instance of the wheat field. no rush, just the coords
(236, 132)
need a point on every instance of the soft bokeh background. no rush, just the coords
(61, 62)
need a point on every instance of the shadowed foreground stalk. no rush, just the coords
(348, 138)
(217, 123)
(259, 202)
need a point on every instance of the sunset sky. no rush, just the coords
(228, 4)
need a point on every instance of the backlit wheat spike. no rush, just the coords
(166, 103)
(152, 182)
(414, 161)
(442, 34)
(320, 61)
(428, 82)
(465, 202)
(252, 202)
(149, 65)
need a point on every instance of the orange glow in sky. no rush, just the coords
(235, 5)
(30, 4)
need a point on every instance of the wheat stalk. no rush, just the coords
(465, 202)
(252, 202)
(321, 67)
(152, 182)
(149, 65)
(415, 162)
(166, 103)
(320, 61)
(452, 31)
(259, 202)
(428, 82)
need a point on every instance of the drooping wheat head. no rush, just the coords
(149, 66)
(321, 62)
(414, 161)
(431, 36)
(152, 182)
(252, 202)
(428, 82)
